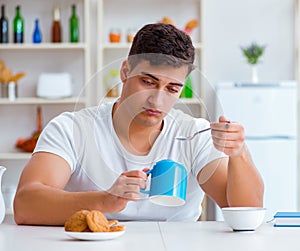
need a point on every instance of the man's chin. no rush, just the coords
(148, 120)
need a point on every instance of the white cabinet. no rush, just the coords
(297, 40)
(19, 116)
(130, 15)
(297, 61)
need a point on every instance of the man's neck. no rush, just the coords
(136, 139)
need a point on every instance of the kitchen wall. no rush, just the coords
(233, 23)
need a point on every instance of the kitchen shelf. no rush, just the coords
(41, 101)
(107, 46)
(181, 100)
(19, 116)
(194, 101)
(15, 156)
(44, 46)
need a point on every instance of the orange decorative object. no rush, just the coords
(129, 37)
(28, 144)
(167, 20)
(115, 37)
(188, 28)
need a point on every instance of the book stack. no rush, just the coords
(287, 219)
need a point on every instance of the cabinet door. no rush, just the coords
(276, 160)
(265, 111)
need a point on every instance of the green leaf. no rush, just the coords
(253, 52)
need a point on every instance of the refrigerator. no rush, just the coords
(268, 112)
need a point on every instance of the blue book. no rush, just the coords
(287, 219)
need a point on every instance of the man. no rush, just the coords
(95, 158)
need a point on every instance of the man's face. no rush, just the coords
(149, 92)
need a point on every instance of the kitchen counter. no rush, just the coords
(155, 236)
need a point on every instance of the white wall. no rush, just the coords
(230, 24)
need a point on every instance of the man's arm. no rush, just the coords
(41, 200)
(232, 181)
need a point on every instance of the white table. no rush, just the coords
(155, 236)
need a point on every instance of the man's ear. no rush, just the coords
(124, 71)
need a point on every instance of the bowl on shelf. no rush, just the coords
(244, 218)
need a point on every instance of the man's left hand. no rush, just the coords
(228, 137)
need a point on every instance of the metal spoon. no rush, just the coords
(184, 138)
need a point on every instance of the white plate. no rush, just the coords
(91, 236)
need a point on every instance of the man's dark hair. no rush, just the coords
(162, 44)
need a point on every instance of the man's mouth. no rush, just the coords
(152, 111)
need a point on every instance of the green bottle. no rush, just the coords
(74, 26)
(187, 91)
(3, 26)
(18, 26)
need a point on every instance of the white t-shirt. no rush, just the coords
(87, 141)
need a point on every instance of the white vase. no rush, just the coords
(2, 204)
(254, 77)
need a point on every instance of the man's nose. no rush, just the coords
(156, 97)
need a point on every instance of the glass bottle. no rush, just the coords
(37, 35)
(18, 26)
(187, 91)
(74, 26)
(56, 27)
(3, 26)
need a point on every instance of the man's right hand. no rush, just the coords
(127, 188)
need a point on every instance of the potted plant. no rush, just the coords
(6, 78)
(253, 52)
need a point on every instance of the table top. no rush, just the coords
(157, 236)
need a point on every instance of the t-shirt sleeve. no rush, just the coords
(58, 138)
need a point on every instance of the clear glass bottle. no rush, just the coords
(18, 26)
(56, 27)
(74, 26)
(37, 35)
(3, 26)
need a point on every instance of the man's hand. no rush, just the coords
(126, 188)
(128, 185)
(228, 137)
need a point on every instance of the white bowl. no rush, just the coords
(244, 218)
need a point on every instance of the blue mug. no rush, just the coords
(168, 183)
